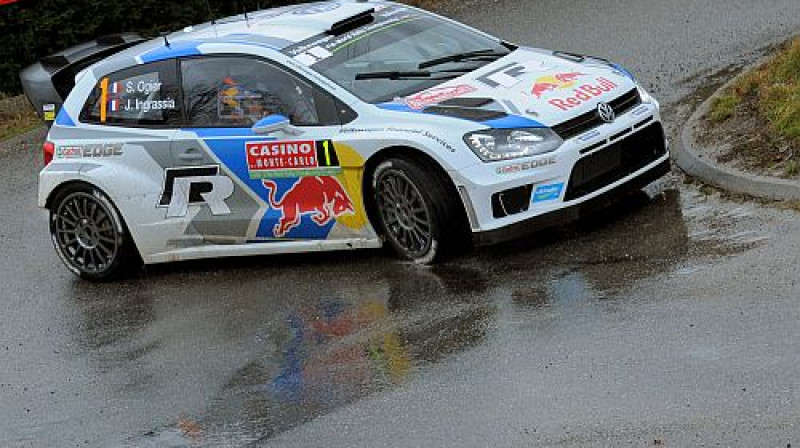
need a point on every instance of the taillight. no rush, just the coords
(48, 150)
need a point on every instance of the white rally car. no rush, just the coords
(328, 126)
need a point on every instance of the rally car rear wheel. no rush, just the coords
(90, 236)
(415, 210)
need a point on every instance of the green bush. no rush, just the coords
(36, 28)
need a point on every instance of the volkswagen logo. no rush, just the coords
(606, 112)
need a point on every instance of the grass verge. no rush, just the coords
(762, 109)
(16, 116)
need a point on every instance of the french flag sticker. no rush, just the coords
(116, 88)
(113, 105)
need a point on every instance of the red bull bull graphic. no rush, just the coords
(322, 197)
(550, 83)
(276, 159)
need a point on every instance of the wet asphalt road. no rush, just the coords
(672, 318)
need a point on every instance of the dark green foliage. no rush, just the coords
(32, 29)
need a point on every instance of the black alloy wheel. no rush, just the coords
(89, 236)
(419, 216)
(404, 212)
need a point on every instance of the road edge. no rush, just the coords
(693, 163)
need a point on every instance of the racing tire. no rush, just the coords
(418, 216)
(90, 236)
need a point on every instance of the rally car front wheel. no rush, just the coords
(418, 216)
(90, 236)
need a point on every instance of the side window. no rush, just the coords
(237, 92)
(144, 95)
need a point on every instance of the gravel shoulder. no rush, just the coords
(24, 142)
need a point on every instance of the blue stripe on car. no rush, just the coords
(189, 48)
(227, 132)
(174, 50)
(398, 107)
(624, 71)
(271, 42)
(507, 122)
(63, 119)
(513, 122)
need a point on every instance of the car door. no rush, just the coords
(285, 184)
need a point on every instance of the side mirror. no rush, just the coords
(275, 123)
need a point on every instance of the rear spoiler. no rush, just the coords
(48, 82)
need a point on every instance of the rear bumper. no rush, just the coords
(573, 212)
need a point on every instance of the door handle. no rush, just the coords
(190, 156)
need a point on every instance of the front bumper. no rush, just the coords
(537, 192)
(573, 212)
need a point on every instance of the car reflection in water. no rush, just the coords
(323, 356)
(301, 350)
(331, 350)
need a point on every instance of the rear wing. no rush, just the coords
(48, 82)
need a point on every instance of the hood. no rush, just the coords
(528, 83)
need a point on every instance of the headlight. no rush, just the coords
(494, 145)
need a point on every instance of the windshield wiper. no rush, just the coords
(487, 54)
(417, 74)
(393, 75)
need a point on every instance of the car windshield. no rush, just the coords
(403, 51)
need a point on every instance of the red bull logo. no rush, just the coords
(551, 83)
(321, 196)
(584, 93)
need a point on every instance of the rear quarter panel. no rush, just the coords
(127, 164)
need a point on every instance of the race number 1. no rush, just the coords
(103, 100)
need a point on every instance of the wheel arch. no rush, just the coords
(415, 155)
(58, 189)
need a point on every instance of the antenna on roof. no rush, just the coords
(166, 41)
(211, 15)
(246, 18)
(208, 11)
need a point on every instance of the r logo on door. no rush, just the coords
(201, 185)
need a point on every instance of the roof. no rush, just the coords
(287, 25)
(275, 29)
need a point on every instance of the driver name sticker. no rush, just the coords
(296, 158)
(132, 96)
